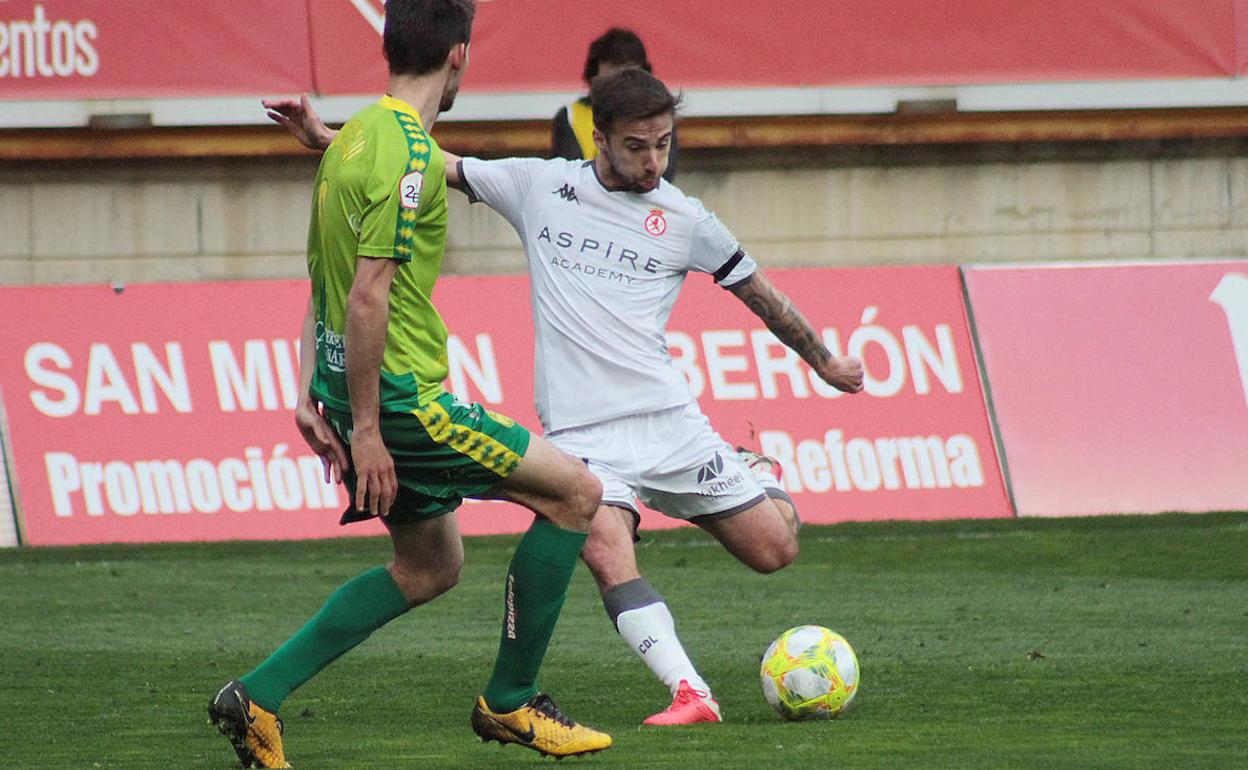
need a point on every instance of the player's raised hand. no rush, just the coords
(376, 484)
(322, 439)
(843, 373)
(299, 118)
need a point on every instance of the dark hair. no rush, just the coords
(420, 33)
(626, 95)
(618, 45)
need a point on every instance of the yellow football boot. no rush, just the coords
(538, 725)
(255, 734)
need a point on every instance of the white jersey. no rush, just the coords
(606, 267)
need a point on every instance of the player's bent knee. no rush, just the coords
(590, 495)
(789, 552)
(775, 557)
(439, 583)
(423, 582)
(580, 500)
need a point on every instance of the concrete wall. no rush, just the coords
(236, 219)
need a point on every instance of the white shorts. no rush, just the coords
(671, 460)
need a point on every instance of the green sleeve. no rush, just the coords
(396, 195)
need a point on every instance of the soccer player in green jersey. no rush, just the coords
(372, 406)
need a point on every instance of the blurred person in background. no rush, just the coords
(572, 130)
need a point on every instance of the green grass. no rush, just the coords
(1086, 643)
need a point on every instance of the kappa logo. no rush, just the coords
(711, 470)
(568, 193)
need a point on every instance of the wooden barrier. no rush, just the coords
(497, 138)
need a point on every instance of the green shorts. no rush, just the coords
(443, 452)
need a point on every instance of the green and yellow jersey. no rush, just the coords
(381, 192)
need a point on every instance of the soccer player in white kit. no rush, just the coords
(609, 245)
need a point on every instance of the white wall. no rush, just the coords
(223, 219)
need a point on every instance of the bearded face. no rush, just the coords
(635, 153)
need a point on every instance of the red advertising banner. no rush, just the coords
(1119, 389)
(159, 413)
(523, 45)
(915, 445)
(346, 36)
(164, 412)
(1241, 37)
(76, 49)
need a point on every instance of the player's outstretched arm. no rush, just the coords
(790, 327)
(452, 170)
(298, 117)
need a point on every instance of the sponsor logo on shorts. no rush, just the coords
(711, 470)
(711, 480)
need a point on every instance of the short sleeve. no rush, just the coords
(503, 185)
(714, 250)
(395, 194)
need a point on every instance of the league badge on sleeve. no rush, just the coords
(409, 190)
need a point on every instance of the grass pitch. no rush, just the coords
(1093, 643)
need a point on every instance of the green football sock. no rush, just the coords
(537, 583)
(358, 608)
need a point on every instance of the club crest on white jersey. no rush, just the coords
(606, 268)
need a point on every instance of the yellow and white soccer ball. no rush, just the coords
(810, 672)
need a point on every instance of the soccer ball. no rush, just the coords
(809, 673)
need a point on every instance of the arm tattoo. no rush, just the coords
(782, 318)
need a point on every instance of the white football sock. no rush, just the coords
(651, 632)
